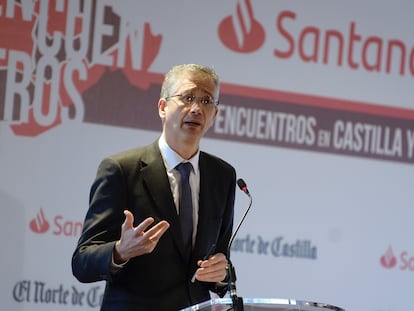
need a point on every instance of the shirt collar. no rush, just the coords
(172, 158)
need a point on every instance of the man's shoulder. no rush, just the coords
(211, 159)
(133, 158)
(134, 153)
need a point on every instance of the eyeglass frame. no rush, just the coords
(195, 99)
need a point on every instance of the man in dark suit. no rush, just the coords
(133, 236)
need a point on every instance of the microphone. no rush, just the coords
(237, 302)
(243, 187)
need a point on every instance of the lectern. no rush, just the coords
(263, 304)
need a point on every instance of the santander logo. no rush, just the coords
(242, 32)
(39, 224)
(404, 260)
(60, 226)
(388, 260)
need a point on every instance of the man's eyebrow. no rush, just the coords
(196, 89)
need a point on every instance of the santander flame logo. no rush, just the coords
(58, 225)
(242, 32)
(388, 260)
(39, 224)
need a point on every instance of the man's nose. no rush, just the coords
(196, 105)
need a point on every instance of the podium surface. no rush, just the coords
(257, 304)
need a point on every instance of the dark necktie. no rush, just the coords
(186, 207)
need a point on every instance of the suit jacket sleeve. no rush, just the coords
(92, 258)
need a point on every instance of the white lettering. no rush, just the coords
(17, 83)
(43, 36)
(266, 125)
(81, 39)
(71, 68)
(45, 110)
(136, 43)
(27, 7)
(410, 143)
(367, 138)
(100, 30)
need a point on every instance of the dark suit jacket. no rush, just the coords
(136, 180)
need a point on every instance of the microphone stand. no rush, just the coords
(237, 302)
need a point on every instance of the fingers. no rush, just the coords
(150, 238)
(143, 225)
(129, 220)
(217, 259)
(213, 269)
(153, 234)
(156, 232)
(210, 275)
(137, 241)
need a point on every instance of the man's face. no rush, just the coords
(186, 124)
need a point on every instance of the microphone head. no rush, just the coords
(242, 185)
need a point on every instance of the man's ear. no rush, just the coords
(162, 107)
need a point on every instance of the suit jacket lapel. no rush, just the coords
(207, 233)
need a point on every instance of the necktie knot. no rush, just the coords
(185, 169)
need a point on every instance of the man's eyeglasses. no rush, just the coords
(189, 100)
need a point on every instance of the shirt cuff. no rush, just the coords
(116, 267)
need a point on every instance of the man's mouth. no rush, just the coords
(192, 123)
